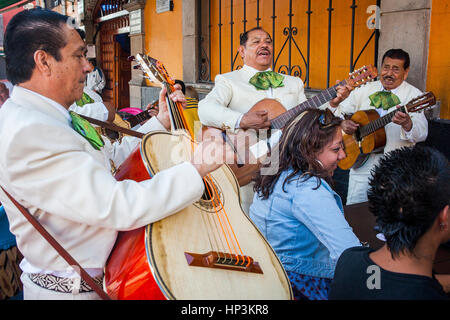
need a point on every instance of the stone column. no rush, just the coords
(406, 25)
(190, 41)
(137, 45)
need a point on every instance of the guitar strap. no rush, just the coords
(114, 127)
(52, 241)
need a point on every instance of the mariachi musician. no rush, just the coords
(383, 96)
(227, 105)
(56, 166)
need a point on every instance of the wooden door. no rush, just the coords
(107, 64)
(122, 76)
(115, 64)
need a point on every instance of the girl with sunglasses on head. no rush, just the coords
(296, 208)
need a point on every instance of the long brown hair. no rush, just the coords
(302, 139)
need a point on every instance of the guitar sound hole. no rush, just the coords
(212, 198)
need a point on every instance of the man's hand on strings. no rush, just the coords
(255, 120)
(349, 127)
(342, 92)
(212, 152)
(402, 119)
(176, 96)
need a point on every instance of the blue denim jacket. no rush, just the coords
(306, 227)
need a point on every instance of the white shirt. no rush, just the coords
(95, 80)
(96, 110)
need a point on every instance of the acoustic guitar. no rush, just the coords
(279, 116)
(371, 134)
(208, 250)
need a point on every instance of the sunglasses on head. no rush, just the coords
(325, 119)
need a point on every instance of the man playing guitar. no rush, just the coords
(227, 105)
(384, 96)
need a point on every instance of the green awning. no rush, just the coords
(7, 3)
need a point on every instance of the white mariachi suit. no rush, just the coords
(396, 136)
(67, 185)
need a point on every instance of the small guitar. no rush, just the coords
(279, 116)
(126, 121)
(371, 135)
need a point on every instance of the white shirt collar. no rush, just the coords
(394, 91)
(53, 103)
(253, 70)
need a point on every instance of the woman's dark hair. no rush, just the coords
(28, 31)
(302, 139)
(407, 191)
(397, 54)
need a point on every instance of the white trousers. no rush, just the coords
(358, 181)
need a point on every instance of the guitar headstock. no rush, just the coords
(421, 102)
(362, 76)
(153, 69)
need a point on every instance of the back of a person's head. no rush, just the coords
(27, 32)
(408, 189)
(191, 92)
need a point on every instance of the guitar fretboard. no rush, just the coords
(378, 123)
(315, 102)
(136, 119)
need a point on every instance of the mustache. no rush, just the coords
(388, 78)
(264, 50)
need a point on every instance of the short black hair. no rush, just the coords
(408, 189)
(28, 31)
(398, 54)
(81, 33)
(244, 36)
(183, 86)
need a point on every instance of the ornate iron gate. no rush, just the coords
(288, 58)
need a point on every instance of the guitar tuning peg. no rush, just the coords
(137, 67)
(131, 58)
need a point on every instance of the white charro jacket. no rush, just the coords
(67, 185)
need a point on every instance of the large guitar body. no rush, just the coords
(186, 255)
(358, 149)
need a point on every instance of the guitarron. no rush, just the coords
(209, 250)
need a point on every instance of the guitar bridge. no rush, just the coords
(220, 260)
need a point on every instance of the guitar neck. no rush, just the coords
(137, 119)
(315, 102)
(378, 123)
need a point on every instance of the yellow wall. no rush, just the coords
(340, 36)
(164, 37)
(438, 74)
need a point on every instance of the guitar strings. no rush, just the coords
(226, 232)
